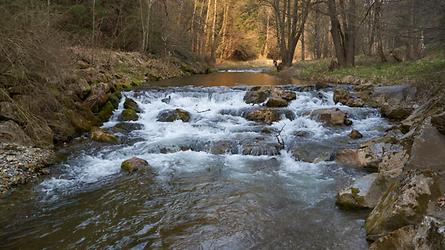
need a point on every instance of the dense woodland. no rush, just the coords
(35, 32)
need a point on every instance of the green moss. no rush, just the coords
(129, 115)
(106, 111)
(100, 135)
(115, 99)
(428, 69)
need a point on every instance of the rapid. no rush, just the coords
(196, 198)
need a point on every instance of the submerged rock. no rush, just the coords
(135, 164)
(261, 148)
(101, 135)
(404, 203)
(428, 234)
(223, 147)
(312, 152)
(265, 115)
(173, 115)
(131, 104)
(355, 134)
(330, 116)
(276, 102)
(128, 115)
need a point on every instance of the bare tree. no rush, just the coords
(290, 17)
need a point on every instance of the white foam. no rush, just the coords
(207, 124)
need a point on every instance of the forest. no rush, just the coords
(216, 30)
(222, 124)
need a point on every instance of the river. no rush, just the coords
(196, 199)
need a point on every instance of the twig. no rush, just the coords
(203, 111)
(279, 138)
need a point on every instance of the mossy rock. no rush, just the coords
(129, 115)
(173, 115)
(115, 99)
(135, 164)
(131, 104)
(101, 135)
(106, 111)
(276, 102)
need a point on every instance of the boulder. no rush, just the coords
(128, 115)
(369, 155)
(284, 94)
(256, 95)
(396, 102)
(276, 102)
(426, 235)
(363, 193)
(428, 149)
(404, 203)
(330, 116)
(173, 115)
(265, 115)
(12, 132)
(438, 121)
(101, 135)
(135, 164)
(396, 113)
(126, 127)
(355, 134)
(131, 104)
(345, 97)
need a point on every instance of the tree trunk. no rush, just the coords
(213, 41)
(378, 25)
(343, 36)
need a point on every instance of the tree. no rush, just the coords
(343, 34)
(290, 17)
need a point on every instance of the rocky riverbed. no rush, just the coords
(291, 131)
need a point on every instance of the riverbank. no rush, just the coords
(405, 186)
(40, 111)
(369, 70)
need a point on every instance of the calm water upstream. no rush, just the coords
(196, 200)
